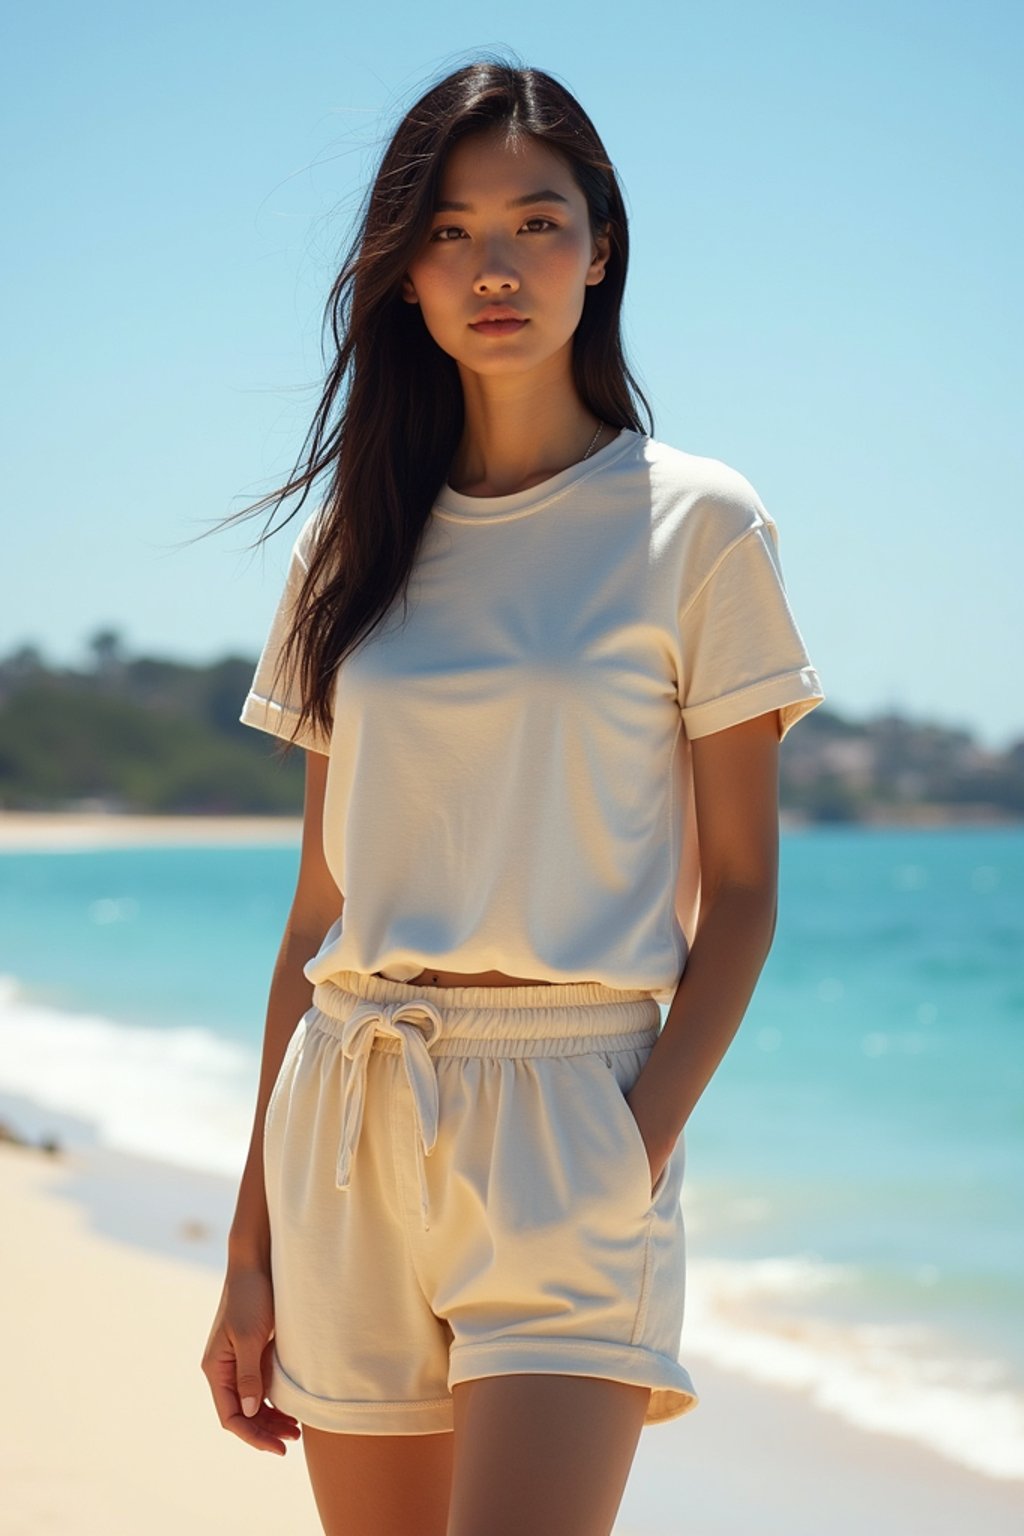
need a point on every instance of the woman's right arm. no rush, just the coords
(237, 1351)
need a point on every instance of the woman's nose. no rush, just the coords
(495, 282)
(496, 271)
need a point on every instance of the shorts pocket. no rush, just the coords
(284, 1071)
(619, 1073)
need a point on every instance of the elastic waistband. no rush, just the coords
(561, 1019)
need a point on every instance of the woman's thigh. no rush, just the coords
(380, 1485)
(544, 1454)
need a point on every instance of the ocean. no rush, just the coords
(855, 1169)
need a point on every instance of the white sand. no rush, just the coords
(108, 1426)
(30, 830)
(23, 831)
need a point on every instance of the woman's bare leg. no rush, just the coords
(544, 1454)
(380, 1485)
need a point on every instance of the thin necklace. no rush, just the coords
(593, 440)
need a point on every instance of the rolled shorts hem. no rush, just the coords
(672, 1390)
(427, 1417)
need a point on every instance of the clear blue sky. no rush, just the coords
(826, 211)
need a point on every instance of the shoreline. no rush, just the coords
(144, 1243)
(89, 830)
(36, 831)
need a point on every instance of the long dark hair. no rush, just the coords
(401, 413)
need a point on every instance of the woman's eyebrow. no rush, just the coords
(547, 196)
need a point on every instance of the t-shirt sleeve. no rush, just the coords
(273, 702)
(742, 652)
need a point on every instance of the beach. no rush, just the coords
(111, 1281)
(24, 831)
(839, 1392)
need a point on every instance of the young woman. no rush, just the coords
(541, 798)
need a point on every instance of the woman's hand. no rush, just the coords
(237, 1358)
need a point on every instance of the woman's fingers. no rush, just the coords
(280, 1423)
(237, 1363)
(248, 1375)
(266, 1429)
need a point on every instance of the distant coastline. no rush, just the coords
(923, 815)
(143, 736)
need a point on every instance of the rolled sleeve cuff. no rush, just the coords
(278, 720)
(793, 694)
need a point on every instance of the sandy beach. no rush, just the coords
(67, 830)
(34, 830)
(109, 1427)
(111, 1278)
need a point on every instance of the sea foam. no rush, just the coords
(182, 1095)
(900, 1379)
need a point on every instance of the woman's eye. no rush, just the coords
(441, 235)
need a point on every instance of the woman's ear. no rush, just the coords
(408, 291)
(599, 260)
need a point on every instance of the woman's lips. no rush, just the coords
(498, 327)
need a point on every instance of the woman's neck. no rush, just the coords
(513, 444)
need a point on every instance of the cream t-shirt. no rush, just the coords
(510, 783)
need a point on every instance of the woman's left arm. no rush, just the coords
(736, 793)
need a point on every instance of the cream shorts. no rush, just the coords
(458, 1188)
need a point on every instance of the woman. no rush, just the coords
(541, 798)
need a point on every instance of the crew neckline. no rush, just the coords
(459, 507)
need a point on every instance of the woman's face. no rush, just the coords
(503, 247)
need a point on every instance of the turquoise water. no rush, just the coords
(854, 1170)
